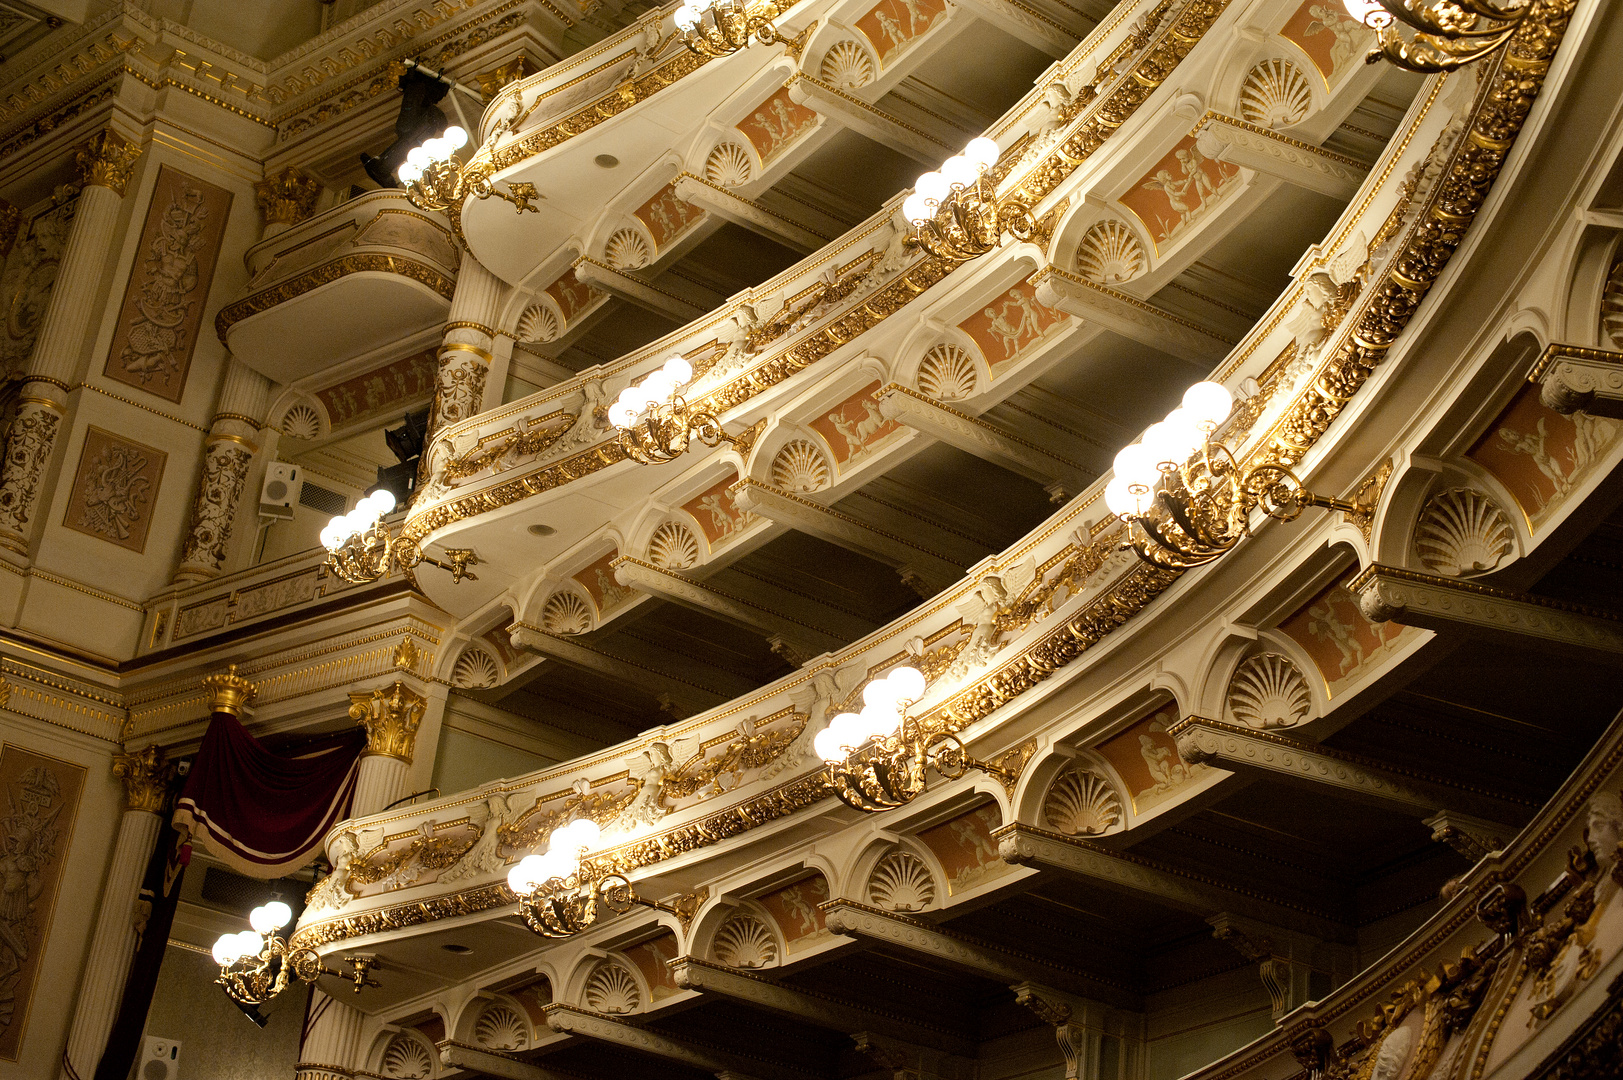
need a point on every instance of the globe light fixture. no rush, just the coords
(655, 421)
(954, 210)
(361, 549)
(257, 964)
(880, 758)
(1184, 496)
(1443, 34)
(561, 894)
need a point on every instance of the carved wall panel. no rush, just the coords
(713, 509)
(1611, 307)
(1330, 37)
(893, 23)
(668, 217)
(1110, 253)
(407, 1057)
(947, 373)
(776, 124)
(854, 428)
(728, 165)
(168, 288)
(846, 65)
(475, 668)
(651, 959)
(1011, 324)
(412, 231)
(572, 296)
(1541, 456)
(565, 613)
(115, 489)
(598, 580)
(1343, 644)
(38, 821)
(1275, 94)
(364, 397)
(1147, 760)
(501, 1027)
(1178, 190)
(965, 849)
(673, 547)
(26, 287)
(796, 911)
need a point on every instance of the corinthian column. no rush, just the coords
(227, 452)
(465, 349)
(390, 716)
(286, 199)
(104, 167)
(146, 777)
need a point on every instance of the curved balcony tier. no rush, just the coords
(375, 268)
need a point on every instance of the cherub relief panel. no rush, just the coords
(41, 803)
(651, 958)
(1332, 630)
(572, 296)
(1010, 324)
(853, 428)
(174, 266)
(965, 848)
(666, 216)
(1331, 38)
(795, 908)
(1177, 189)
(893, 23)
(775, 124)
(1146, 759)
(115, 489)
(713, 509)
(379, 390)
(25, 289)
(598, 579)
(1540, 455)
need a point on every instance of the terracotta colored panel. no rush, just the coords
(650, 958)
(1177, 189)
(795, 909)
(379, 390)
(1331, 38)
(854, 427)
(572, 296)
(666, 216)
(598, 579)
(715, 513)
(115, 489)
(965, 849)
(1011, 324)
(893, 23)
(1146, 759)
(42, 802)
(174, 266)
(1333, 631)
(1540, 455)
(775, 124)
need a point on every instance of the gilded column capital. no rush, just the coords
(288, 197)
(229, 692)
(390, 717)
(107, 160)
(146, 775)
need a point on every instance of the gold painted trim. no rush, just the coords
(463, 346)
(1556, 350)
(469, 324)
(142, 406)
(226, 436)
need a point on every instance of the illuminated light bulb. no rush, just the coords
(622, 415)
(879, 721)
(1169, 443)
(384, 500)
(846, 728)
(658, 387)
(1368, 12)
(826, 745)
(437, 149)
(522, 878)
(418, 157)
(331, 538)
(226, 952)
(1208, 404)
(959, 171)
(701, 6)
(880, 694)
(278, 913)
(932, 187)
(680, 371)
(1136, 465)
(456, 137)
(409, 173)
(908, 682)
(916, 210)
(586, 832)
(982, 152)
(686, 18)
(250, 943)
(1124, 499)
(260, 920)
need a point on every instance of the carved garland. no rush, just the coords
(1514, 83)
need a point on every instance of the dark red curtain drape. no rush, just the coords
(265, 813)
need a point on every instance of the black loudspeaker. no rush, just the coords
(420, 120)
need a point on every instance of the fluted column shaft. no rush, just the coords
(332, 1040)
(146, 778)
(53, 370)
(229, 449)
(465, 348)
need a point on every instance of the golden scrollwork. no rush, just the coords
(390, 716)
(146, 774)
(229, 692)
(288, 197)
(107, 160)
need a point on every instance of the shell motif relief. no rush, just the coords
(500, 1027)
(301, 422)
(406, 1058)
(627, 250)
(673, 547)
(1110, 253)
(1275, 94)
(901, 882)
(475, 668)
(611, 989)
(1461, 533)
(565, 613)
(728, 165)
(1082, 803)
(800, 466)
(1267, 691)
(846, 65)
(744, 942)
(1611, 305)
(947, 373)
(537, 323)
